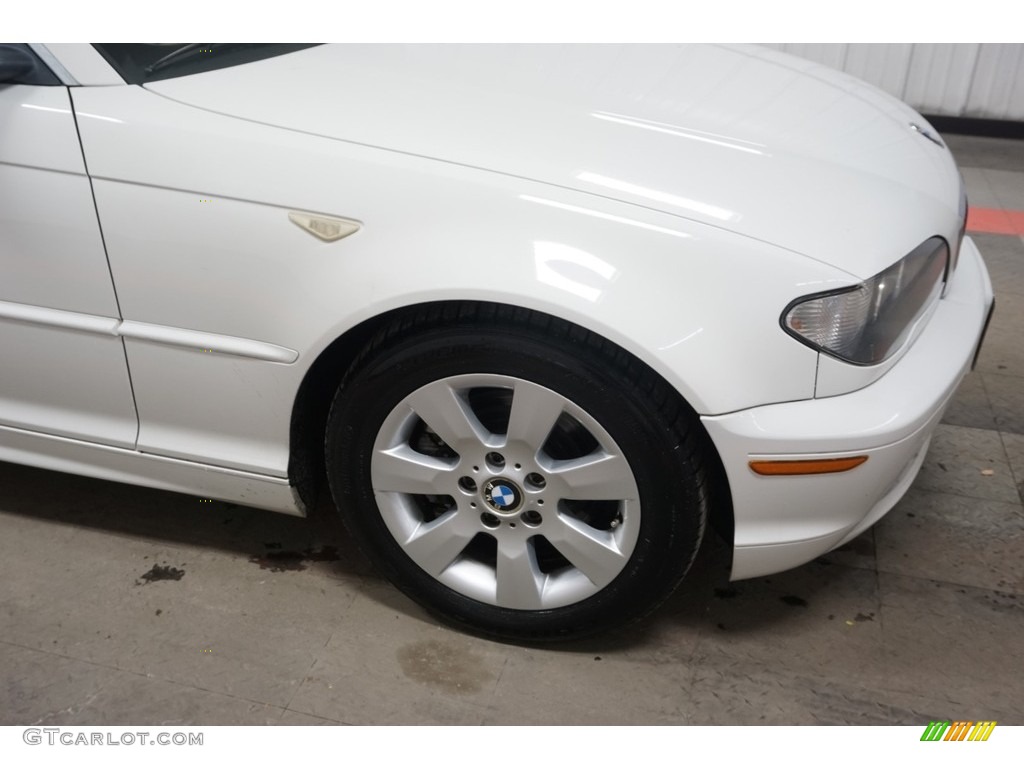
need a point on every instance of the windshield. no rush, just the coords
(141, 63)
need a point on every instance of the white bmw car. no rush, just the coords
(537, 316)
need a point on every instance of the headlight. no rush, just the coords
(963, 211)
(867, 323)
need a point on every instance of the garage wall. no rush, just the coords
(956, 79)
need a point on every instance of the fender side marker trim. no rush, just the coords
(326, 228)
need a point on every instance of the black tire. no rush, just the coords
(619, 402)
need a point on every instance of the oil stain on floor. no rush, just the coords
(161, 573)
(448, 667)
(281, 560)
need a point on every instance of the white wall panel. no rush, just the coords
(995, 90)
(940, 77)
(958, 79)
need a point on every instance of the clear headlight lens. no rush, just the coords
(963, 211)
(866, 324)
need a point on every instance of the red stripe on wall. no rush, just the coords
(995, 221)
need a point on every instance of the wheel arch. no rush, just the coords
(306, 467)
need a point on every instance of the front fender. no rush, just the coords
(194, 210)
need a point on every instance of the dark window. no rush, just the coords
(141, 63)
(19, 65)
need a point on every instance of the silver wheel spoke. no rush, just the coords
(534, 413)
(592, 551)
(435, 545)
(507, 488)
(448, 415)
(404, 470)
(519, 579)
(598, 477)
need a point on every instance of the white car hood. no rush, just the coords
(762, 144)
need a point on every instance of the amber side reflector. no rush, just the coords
(807, 466)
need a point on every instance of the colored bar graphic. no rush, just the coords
(995, 221)
(959, 730)
(982, 730)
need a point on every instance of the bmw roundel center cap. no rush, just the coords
(502, 495)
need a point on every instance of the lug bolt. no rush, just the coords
(532, 518)
(535, 481)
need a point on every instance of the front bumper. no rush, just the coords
(784, 521)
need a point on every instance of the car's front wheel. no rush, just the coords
(515, 474)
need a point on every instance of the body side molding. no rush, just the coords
(160, 334)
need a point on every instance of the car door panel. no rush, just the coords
(64, 371)
(52, 252)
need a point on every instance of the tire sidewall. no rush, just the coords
(671, 506)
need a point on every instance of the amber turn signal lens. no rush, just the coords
(807, 466)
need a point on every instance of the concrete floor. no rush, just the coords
(122, 605)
